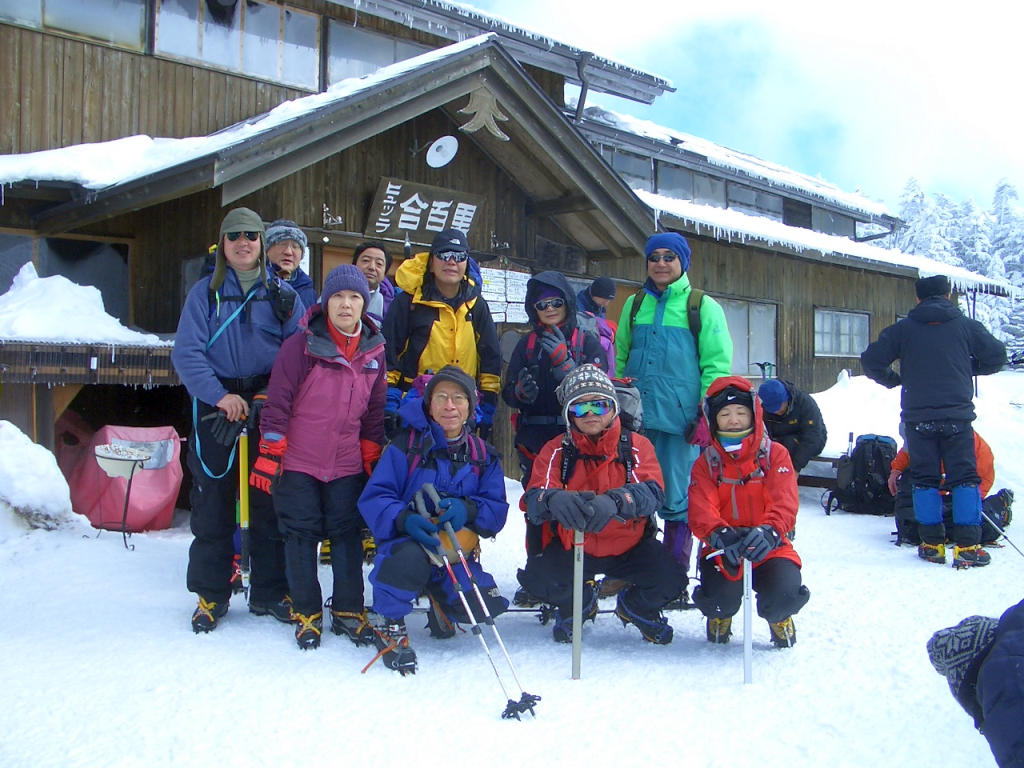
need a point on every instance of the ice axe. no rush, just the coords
(243, 508)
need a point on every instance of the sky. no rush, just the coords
(864, 95)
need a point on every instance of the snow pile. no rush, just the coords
(56, 309)
(33, 492)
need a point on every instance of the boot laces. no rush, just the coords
(205, 609)
(306, 623)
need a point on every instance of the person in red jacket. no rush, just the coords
(743, 498)
(605, 481)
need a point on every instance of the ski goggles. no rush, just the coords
(448, 256)
(668, 258)
(596, 407)
(540, 306)
(252, 237)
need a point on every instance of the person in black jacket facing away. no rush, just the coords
(983, 660)
(793, 419)
(939, 350)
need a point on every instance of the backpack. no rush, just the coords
(693, 302)
(862, 478)
(631, 407)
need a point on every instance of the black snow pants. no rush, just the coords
(775, 581)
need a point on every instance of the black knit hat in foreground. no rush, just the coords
(936, 285)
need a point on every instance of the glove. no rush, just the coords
(697, 432)
(267, 468)
(223, 431)
(419, 529)
(600, 509)
(730, 542)
(392, 425)
(567, 509)
(759, 542)
(485, 411)
(370, 452)
(255, 409)
(526, 387)
(553, 343)
(455, 512)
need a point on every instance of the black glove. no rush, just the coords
(552, 341)
(281, 299)
(730, 542)
(527, 389)
(759, 542)
(392, 424)
(223, 431)
(600, 509)
(255, 409)
(567, 509)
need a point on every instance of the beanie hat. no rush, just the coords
(603, 288)
(936, 285)
(773, 394)
(548, 292)
(284, 229)
(345, 277)
(373, 244)
(239, 220)
(449, 240)
(674, 242)
(957, 653)
(457, 376)
(728, 396)
(584, 381)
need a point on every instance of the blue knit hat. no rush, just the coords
(345, 277)
(674, 242)
(773, 394)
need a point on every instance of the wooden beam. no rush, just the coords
(568, 204)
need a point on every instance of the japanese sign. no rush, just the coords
(403, 208)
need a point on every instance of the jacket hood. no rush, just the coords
(412, 277)
(753, 440)
(935, 309)
(553, 280)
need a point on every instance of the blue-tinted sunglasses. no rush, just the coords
(668, 258)
(457, 256)
(596, 407)
(540, 306)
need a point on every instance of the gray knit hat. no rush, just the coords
(957, 653)
(239, 220)
(455, 375)
(345, 277)
(285, 229)
(584, 381)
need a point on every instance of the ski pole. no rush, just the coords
(526, 700)
(243, 508)
(748, 625)
(1000, 529)
(577, 603)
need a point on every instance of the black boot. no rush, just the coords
(652, 625)
(392, 643)
(308, 629)
(207, 614)
(562, 631)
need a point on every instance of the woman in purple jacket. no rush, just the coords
(322, 429)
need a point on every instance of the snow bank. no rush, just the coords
(56, 309)
(33, 492)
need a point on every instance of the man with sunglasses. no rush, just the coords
(440, 319)
(673, 367)
(229, 333)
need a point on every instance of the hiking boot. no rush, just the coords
(933, 553)
(653, 626)
(325, 552)
(369, 546)
(392, 643)
(308, 629)
(681, 603)
(236, 575)
(611, 587)
(562, 631)
(524, 599)
(207, 614)
(783, 633)
(440, 626)
(719, 630)
(281, 610)
(970, 557)
(355, 626)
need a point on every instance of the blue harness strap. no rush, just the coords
(231, 317)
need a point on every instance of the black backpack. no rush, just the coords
(862, 478)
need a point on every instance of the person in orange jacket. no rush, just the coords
(604, 480)
(743, 498)
(982, 452)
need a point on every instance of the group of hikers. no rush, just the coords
(371, 408)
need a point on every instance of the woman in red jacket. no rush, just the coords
(606, 482)
(743, 500)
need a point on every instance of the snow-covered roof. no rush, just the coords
(772, 173)
(104, 164)
(732, 225)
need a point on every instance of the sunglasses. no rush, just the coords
(668, 258)
(252, 237)
(457, 256)
(596, 407)
(540, 306)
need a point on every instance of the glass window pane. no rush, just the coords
(261, 36)
(840, 334)
(22, 11)
(406, 49)
(177, 28)
(708, 191)
(637, 171)
(353, 52)
(832, 223)
(113, 21)
(301, 55)
(221, 41)
(736, 317)
(674, 181)
(762, 333)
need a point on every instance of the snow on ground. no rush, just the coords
(33, 492)
(112, 674)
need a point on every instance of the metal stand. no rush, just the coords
(121, 462)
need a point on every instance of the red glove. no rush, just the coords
(267, 467)
(371, 454)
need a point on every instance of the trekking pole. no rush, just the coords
(1000, 529)
(577, 603)
(243, 508)
(748, 625)
(527, 701)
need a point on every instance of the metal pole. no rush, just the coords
(748, 629)
(577, 604)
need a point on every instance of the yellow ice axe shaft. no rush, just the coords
(243, 505)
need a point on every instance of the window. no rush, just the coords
(796, 214)
(355, 52)
(840, 334)
(637, 171)
(118, 22)
(832, 223)
(708, 191)
(267, 41)
(752, 329)
(674, 181)
(752, 201)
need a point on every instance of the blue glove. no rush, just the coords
(730, 542)
(394, 400)
(419, 529)
(485, 419)
(759, 542)
(455, 512)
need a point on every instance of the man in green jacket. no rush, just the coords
(673, 367)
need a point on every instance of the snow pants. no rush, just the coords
(310, 510)
(655, 576)
(937, 447)
(776, 582)
(676, 457)
(211, 556)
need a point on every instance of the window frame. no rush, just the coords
(841, 311)
(143, 47)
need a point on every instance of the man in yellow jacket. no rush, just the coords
(440, 319)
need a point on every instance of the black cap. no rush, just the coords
(936, 285)
(728, 396)
(457, 376)
(450, 240)
(603, 288)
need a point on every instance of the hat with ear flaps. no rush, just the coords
(239, 220)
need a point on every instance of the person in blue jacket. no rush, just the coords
(286, 245)
(983, 661)
(229, 333)
(437, 448)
